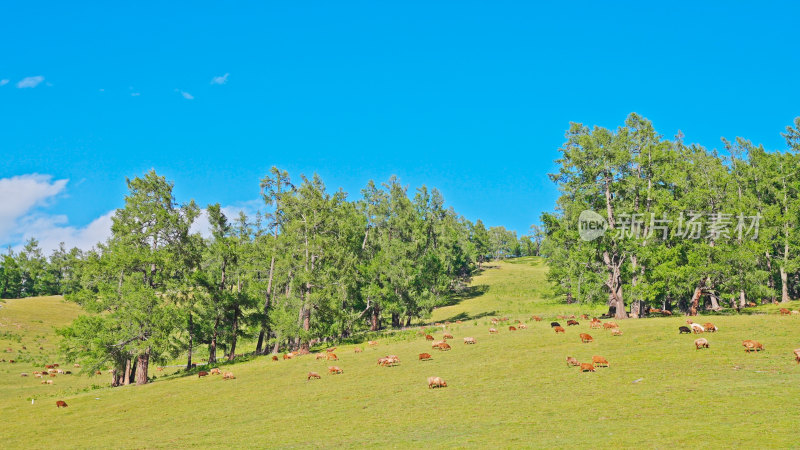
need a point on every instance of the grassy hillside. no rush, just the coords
(513, 388)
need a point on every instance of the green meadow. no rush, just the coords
(513, 388)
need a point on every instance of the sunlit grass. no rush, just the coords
(513, 388)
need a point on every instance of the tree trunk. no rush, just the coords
(698, 291)
(127, 379)
(265, 327)
(395, 320)
(742, 300)
(784, 285)
(304, 345)
(375, 324)
(770, 280)
(212, 347)
(235, 327)
(714, 302)
(142, 363)
(191, 342)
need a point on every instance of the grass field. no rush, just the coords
(513, 388)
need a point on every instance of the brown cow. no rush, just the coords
(274, 357)
(313, 375)
(587, 367)
(436, 382)
(61, 404)
(700, 343)
(332, 357)
(752, 346)
(797, 355)
(751, 304)
(584, 317)
(492, 331)
(202, 373)
(710, 327)
(666, 313)
(359, 349)
(559, 330)
(424, 356)
(572, 322)
(321, 356)
(585, 338)
(512, 328)
(447, 336)
(537, 318)
(609, 325)
(470, 340)
(597, 324)
(444, 346)
(287, 356)
(372, 343)
(331, 350)
(572, 361)
(228, 376)
(333, 370)
(215, 371)
(785, 312)
(616, 332)
(599, 361)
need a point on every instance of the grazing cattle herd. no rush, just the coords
(52, 370)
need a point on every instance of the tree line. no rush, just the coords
(317, 266)
(673, 225)
(29, 273)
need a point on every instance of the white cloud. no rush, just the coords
(22, 216)
(249, 208)
(187, 95)
(20, 194)
(4, 82)
(30, 82)
(220, 80)
(50, 230)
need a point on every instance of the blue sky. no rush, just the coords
(470, 97)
